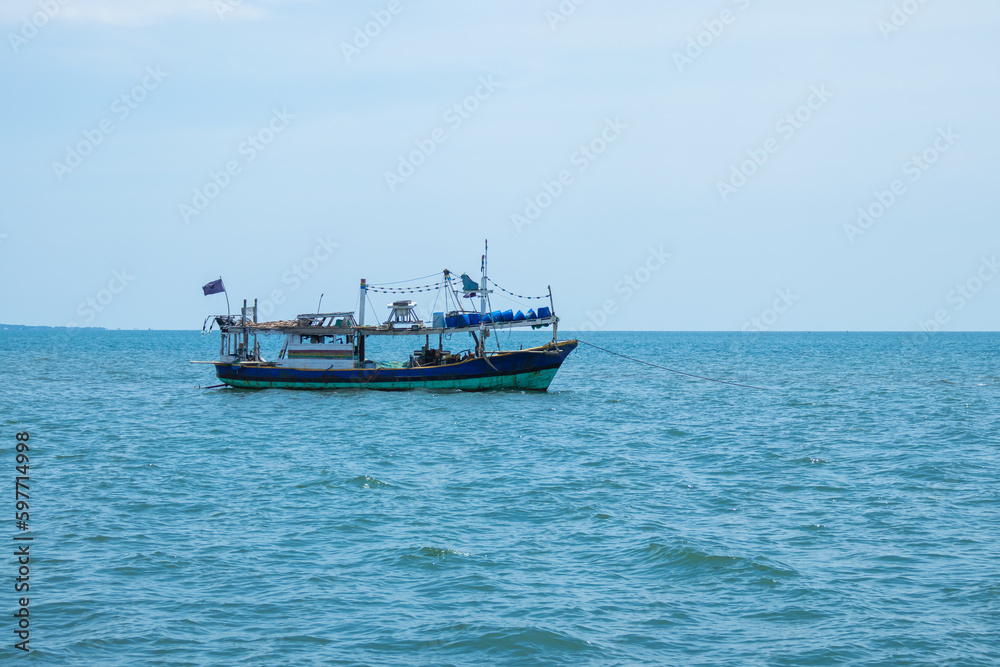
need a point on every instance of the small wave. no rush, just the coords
(690, 557)
(317, 482)
(367, 482)
(810, 460)
(304, 639)
(525, 642)
(436, 552)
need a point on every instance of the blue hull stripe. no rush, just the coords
(529, 369)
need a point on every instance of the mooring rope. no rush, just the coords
(640, 361)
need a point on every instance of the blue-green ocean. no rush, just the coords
(849, 513)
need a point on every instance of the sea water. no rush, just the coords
(846, 513)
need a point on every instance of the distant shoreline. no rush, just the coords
(31, 327)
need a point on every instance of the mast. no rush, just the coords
(482, 284)
(361, 323)
(246, 330)
(555, 325)
(361, 308)
(482, 301)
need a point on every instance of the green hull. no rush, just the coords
(530, 381)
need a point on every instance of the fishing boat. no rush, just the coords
(328, 350)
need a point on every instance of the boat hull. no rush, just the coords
(529, 370)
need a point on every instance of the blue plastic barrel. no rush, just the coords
(463, 320)
(507, 315)
(451, 321)
(496, 316)
(474, 319)
(543, 312)
(519, 316)
(488, 318)
(531, 315)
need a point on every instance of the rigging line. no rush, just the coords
(405, 290)
(640, 361)
(495, 336)
(437, 295)
(373, 308)
(412, 280)
(410, 288)
(519, 303)
(513, 294)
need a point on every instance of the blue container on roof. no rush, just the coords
(451, 321)
(531, 314)
(519, 316)
(487, 318)
(474, 319)
(543, 312)
(463, 320)
(507, 315)
(496, 316)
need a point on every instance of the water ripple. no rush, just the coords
(847, 515)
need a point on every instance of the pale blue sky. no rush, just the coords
(772, 253)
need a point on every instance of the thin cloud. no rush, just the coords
(128, 13)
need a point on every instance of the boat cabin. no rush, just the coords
(318, 352)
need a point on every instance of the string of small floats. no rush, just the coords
(411, 290)
(519, 296)
(431, 287)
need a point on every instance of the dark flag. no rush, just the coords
(214, 287)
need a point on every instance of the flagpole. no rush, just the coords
(228, 314)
